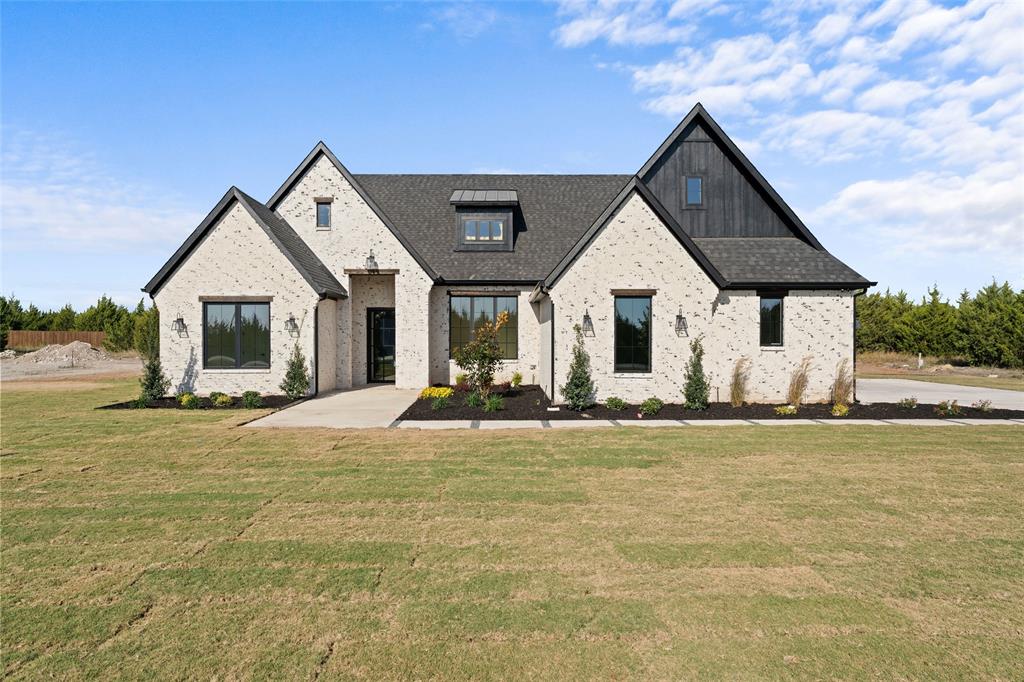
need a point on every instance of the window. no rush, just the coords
(694, 191)
(468, 312)
(236, 335)
(485, 231)
(771, 320)
(323, 214)
(632, 333)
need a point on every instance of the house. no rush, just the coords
(377, 278)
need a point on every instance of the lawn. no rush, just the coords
(172, 544)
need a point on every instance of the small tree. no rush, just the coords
(480, 358)
(296, 377)
(154, 382)
(697, 390)
(579, 387)
(146, 335)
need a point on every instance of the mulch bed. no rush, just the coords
(530, 403)
(269, 401)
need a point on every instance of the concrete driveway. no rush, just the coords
(891, 390)
(368, 407)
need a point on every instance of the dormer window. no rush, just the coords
(484, 219)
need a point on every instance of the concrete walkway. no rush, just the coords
(604, 423)
(376, 406)
(892, 390)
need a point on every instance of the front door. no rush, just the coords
(380, 345)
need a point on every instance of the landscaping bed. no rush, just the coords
(171, 403)
(530, 403)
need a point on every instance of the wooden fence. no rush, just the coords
(31, 340)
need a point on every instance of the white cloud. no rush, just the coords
(830, 29)
(59, 199)
(643, 22)
(467, 20)
(893, 95)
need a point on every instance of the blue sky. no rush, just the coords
(895, 129)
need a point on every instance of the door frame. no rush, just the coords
(369, 344)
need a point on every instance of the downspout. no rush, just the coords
(552, 350)
(854, 325)
(316, 347)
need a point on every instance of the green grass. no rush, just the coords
(1006, 383)
(172, 544)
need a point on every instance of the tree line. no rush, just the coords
(125, 329)
(984, 329)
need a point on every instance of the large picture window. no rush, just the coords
(468, 312)
(771, 320)
(236, 335)
(632, 333)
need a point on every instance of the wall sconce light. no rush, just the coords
(291, 325)
(588, 324)
(179, 326)
(681, 329)
(371, 263)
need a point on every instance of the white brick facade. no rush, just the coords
(636, 251)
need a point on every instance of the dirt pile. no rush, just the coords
(74, 354)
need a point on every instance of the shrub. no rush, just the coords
(983, 405)
(461, 379)
(189, 401)
(474, 399)
(252, 400)
(697, 390)
(798, 382)
(154, 383)
(579, 387)
(494, 403)
(840, 410)
(738, 386)
(296, 377)
(651, 407)
(140, 403)
(223, 400)
(480, 357)
(614, 403)
(431, 392)
(947, 408)
(786, 410)
(214, 395)
(517, 379)
(440, 402)
(907, 403)
(842, 386)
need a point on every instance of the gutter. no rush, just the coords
(856, 294)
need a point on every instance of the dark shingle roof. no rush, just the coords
(554, 212)
(775, 260)
(296, 250)
(491, 197)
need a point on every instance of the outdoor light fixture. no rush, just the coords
(179, 326)
(291, 325)
(588, 324)
(681, 329)
(371, 262)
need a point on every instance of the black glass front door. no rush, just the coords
(380, 345)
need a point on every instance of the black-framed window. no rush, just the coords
(632, 333)
(771, 319)
(484, 230)
(323, 214)
(694, 191)
(468, 312)
(236, 335)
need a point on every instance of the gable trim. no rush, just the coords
(307, 163)
(698, 112)
(636, 185)
(212, 218)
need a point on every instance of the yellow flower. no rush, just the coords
(431, 392)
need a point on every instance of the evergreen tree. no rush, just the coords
(146, 333)
(578, 390)
(63, 319)
(154, 382)
(992, 325)
(933, 326)
(697, 391)
(296, 376)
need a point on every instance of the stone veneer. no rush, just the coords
(635, 250)
(235, 261)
